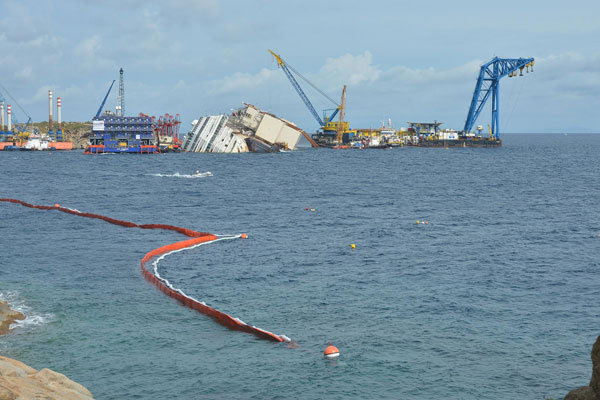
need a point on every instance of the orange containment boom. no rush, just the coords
(197, 238)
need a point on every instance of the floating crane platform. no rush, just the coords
(115, 134)
(338, 135)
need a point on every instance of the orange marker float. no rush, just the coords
(331, 351)
(197, 239)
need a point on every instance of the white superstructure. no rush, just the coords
(37, 142)
(448, 134)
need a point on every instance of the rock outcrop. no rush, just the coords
(7, 317)
(595, 382)
(591, 392)
(20, 381)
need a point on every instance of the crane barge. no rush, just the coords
(332, 133)
(486, 87)
(115, 133)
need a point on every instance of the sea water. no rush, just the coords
(496, 296)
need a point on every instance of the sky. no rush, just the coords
(401, 60)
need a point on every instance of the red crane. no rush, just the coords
(167, 126)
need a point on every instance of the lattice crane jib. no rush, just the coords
(121, 100)
(488, 86)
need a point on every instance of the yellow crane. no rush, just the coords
(340, 127)
(335, 130)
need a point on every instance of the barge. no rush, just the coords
(115, 134)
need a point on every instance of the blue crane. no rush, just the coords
(23, 127)
(488, 85)
(104, 101)
(288, 69)
(3, 102)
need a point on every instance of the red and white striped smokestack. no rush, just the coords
(9, 112)
(50, 111)
(58, 109)
(1, 116)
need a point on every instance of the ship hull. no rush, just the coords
(9, 146)
(459, 143)
(258, 146)
(99, 149)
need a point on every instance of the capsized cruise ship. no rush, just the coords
(246, 129)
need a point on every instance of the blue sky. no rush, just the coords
(403, 60)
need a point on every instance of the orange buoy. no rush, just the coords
(56, 205)
(244, 236)
(331, 351)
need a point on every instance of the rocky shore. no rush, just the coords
(7, 317)
(591, 392)
(76, 132)
(19, 381)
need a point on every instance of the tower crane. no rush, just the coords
(488, 85)
(121, 97)
(330, 128)
(104, 101)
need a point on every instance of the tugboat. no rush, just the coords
(37, 142)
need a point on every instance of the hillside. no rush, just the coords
(77, 132)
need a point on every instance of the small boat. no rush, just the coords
(37, 142)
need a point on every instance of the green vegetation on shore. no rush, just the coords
(76, 132)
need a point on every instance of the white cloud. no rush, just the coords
(89, 49)
(43, 41)
(40, 95)
(26, 73)
(153, 38)
(240, 82)
(195, 8)
(349, 69)
(71, 92)
(409, 76)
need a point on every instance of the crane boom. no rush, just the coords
(488, 85)
(296, 86)
(24, 127)
(104, 101)
(330, 130)
(342, 108)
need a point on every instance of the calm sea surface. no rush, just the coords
(497, 297)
